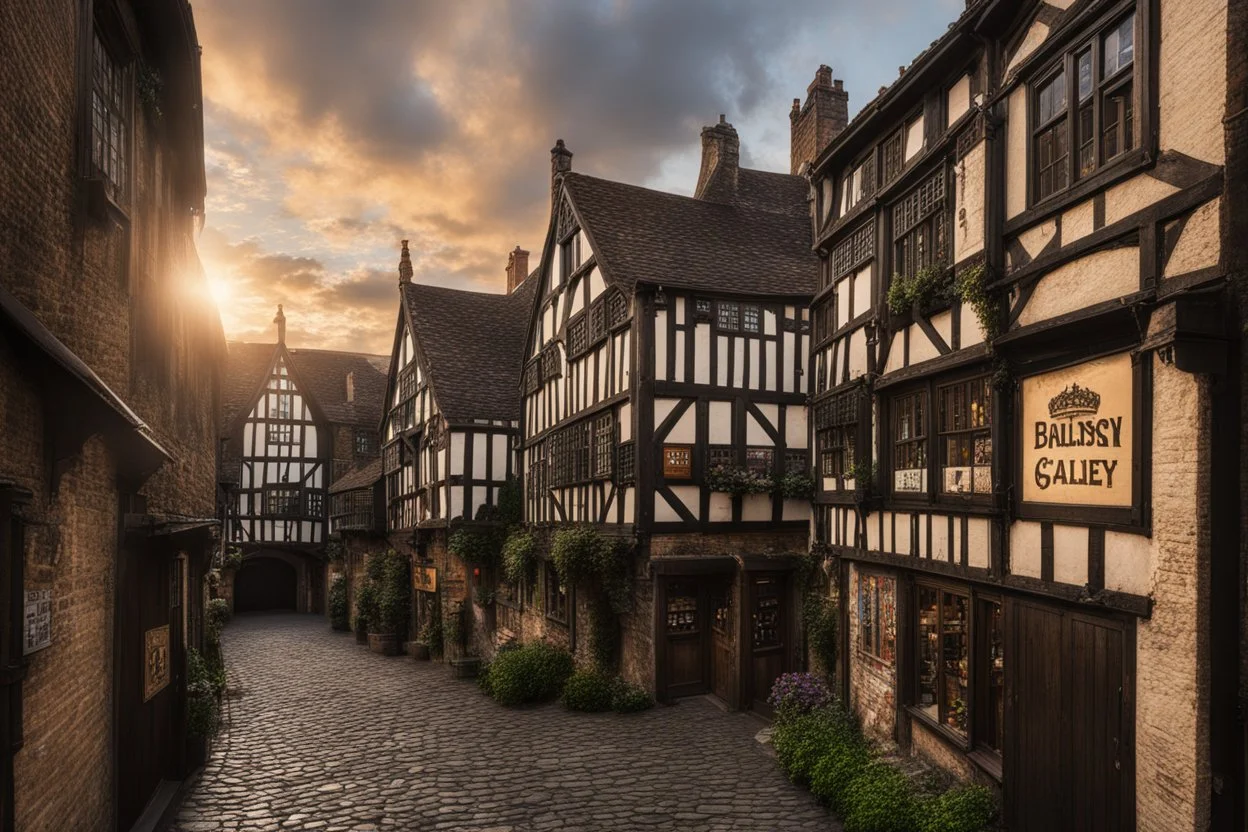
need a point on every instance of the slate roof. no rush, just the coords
(473, 345)
(760, 244)
(322, 372)
(361, 476)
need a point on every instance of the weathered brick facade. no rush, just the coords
(120, 288)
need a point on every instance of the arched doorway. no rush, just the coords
(265, 583)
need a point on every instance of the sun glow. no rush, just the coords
(221, 290)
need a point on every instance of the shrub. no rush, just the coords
(583, 556)
(879, 799)
(796, 485)
(394, 594)
(202, 704)
(963, 809)
(629, 699)
(519, 557)
(531, 673)
(232, 559)
(835, 770)
(339, 614)
(588, 690)
(603, 635)
(798, 693)
(431, 633)
(217, 614)
(802, 740)
(366, 612)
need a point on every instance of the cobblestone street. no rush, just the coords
(329, 736)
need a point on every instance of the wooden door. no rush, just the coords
(684, 633)
(768, 635)
(723, 644)
(1065, 744)
(1035, 768)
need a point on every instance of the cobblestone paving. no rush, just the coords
(329, 736)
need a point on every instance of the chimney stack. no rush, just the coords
(405, 265)
(560, 163)
(721, 158)
(815, 124)
(280, 320)
(517, 268)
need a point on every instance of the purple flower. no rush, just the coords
(799, 693)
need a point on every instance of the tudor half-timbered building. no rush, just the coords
(664, 402)
(1020, 372)
(449, 439)
(294, 419)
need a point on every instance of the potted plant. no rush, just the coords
(365, 611)
(393, 599)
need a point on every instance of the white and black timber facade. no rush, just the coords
(668, 340)
(294, 419)
(1022, 367)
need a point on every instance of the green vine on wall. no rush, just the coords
(923, 288)
(971, 286)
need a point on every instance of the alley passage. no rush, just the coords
(329, 736)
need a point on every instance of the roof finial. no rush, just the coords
(405, 265)
(280, 320)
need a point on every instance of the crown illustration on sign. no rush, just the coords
(1074, 401)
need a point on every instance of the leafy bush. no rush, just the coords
(339, 613)
(802, 740)
(232, 559)
(217, 615)
(588, 690)
(926, 286)
(630, 699)
(880, 799)
(963, 809)
(531, 673)
(798, 693)
(519, 557)
(202, 702)
(366, 609)
(731, 479)
(796, 485)
(431, 633)
(835, 770)
(477, 546)
(603, 635)
(394, 594)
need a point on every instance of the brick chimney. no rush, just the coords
(405, 265)
(280, 320)
(560, 163)
(816, 123)
(517, 268)
(721, 157)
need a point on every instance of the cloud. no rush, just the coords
(337, 128)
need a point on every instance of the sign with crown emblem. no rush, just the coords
(1078, 436)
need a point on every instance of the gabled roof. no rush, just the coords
(322, 372)
(758, 245)
(473, 347)
(361, 476)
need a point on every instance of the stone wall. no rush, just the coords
(872, 683)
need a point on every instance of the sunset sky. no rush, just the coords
(336, 128)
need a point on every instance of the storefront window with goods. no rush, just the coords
(951, 665)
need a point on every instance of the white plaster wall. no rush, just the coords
(1070, 555)
(719, 423)
(1133, 195)
(1077, 222)
(1016, 154)
(1193, 78)
(977, 543)
(959, 99)
(1100, 276)
(969, 176)
(1200, 244)
(1024, 548)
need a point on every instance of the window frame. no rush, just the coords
(933, 224)
(557, 610)
(1134, 76)
(294, 495)
(877, 631)
(921, 441)
(732, 307)
(940, 432)
(840, 413)
(113, 48)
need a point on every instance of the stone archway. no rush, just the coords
(266, 583)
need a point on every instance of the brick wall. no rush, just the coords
(872, 683)
(145, 325)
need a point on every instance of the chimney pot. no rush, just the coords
(405, 265)
(517, 268)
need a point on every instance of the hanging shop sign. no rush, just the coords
(425, 578)
(38, 621)
(1077, 434)
(155, 661)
